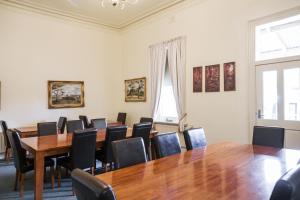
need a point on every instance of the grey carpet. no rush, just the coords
(7, 177)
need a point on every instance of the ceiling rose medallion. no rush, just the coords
(118, 3)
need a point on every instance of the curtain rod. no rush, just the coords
(167, 41)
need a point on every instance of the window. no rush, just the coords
(278, 39)
(167, 111)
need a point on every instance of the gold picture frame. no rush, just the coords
(136, 90)
(65, 94)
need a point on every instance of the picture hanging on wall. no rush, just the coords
(229, 76)
(135, 90)
(212, 78)
(197, 79)
(65, 94)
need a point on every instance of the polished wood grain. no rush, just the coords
(219, 171)
(51, 145)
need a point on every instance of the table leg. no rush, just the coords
(39, 175)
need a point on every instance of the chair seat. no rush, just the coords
(29, 165)
(65, 162)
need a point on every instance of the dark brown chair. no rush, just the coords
(146, 119)
(112, 134)
(268, 136)
(128, 152)
(166, 144)
(24, 164)
(143, 130)
(194, 138)
(288, 186)
(6, 140)
(61, 124)
(88, 187)
(85, 121)
(122, 118)
(47, 128)
(99, 123)
(82, 154)
(74, 125)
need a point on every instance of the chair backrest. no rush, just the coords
(99, 123)
(83, 148)
(113, 134)
(143, 130)
(47, 128)
(146, 119)
(61, 124)
(166, 144)
(18, 151)
(85, 121)
(288, 186)
(128, 152)
(194, 138)
(89, 187)
(268, 136)
(73, 125)
(4, 132)
(122, 118)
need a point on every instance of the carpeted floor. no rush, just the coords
(7, 177)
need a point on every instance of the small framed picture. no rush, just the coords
(135, 90)
(197, 79)
(65, 94)
(212, 78)
(229, 76)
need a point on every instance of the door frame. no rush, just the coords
(252, 64)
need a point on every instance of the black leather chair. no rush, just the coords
(268, 136)
(194, 138)
(128, 152)
(146, 119)
(85, 121)
(47, 128)
(99, 123)
(61, 124)
(288, 186)
(82, 154)
(166, 144)
(24, 164)
(143, 130)
(112, 134)
(122, 118)
(87, 187)
(6, 140)
(74, 125)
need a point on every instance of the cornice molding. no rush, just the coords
(83, 18)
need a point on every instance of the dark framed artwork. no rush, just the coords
(65, 94)
(197, 79)
(212, 78)
(229, 76)
(135, 90)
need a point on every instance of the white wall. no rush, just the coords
(35, 48)
(217, 32)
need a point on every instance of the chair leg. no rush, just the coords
(17, 179)
(52, 177)
(67, 172)
(92, 171)
(58, 176)
(21, 184)
(6, 154)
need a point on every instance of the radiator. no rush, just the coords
(2, 146)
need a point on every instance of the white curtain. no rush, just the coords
(158, 58)
(177, 61)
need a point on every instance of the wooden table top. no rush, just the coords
(219, 171)
(60, 141)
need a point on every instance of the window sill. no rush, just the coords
(166, 123)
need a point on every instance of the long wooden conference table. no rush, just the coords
(219, 171)
(43, 146)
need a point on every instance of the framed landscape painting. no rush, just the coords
(212, 78)
(229, 76)
(135, 90)
(197, 79)
(65, 94)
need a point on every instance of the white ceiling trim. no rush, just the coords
(60, 13)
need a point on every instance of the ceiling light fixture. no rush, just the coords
(118, 3)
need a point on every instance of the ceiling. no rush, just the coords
(92, 11)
